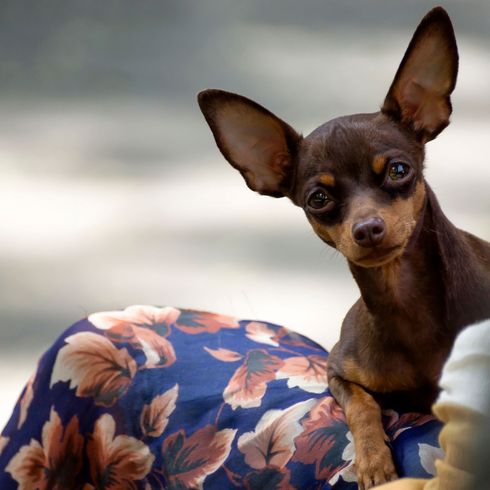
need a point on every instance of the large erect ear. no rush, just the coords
(252, 139)
(419, 94)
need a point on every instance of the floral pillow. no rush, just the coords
(153, 398)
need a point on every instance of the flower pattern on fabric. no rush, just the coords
(165, 398)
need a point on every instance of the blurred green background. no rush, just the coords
(112, 191)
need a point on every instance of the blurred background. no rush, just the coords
(112, 191)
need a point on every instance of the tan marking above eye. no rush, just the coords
(378, 164)
(327, 179)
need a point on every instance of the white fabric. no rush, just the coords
(465, 378)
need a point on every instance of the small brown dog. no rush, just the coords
(360, 182)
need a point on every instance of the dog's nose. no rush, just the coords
(369, 232)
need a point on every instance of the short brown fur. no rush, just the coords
(360, 182)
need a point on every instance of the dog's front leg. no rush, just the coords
(374, 462)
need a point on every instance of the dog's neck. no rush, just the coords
(437, 273)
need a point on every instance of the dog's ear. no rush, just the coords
(419, 94)
(252, 139)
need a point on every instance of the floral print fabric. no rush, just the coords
(152, 398)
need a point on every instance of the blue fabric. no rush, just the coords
(170, 398)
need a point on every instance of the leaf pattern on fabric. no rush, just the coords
(141, 316)
(25, 401)
(260, 332)
(158, 350)
(187, 461)
(306, 372)
(396, 424)
(347, 473)
(56, 463)
(28, 465)
(148, 428)
(154, 416)
(95, 367)
(3, 443)
(195, 322)
(428, 455)
(142, 327)
(272, 441)
(224, 354)
(116, 462)
(249, 382)
(294, 339)
(324, 438)
(270, 478)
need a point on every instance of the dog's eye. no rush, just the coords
(319, 200)
(398, 171)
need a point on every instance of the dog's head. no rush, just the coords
(358, 178)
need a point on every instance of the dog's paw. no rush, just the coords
(375, 468)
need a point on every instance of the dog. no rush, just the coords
(360, 182)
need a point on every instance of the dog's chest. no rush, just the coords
(395, 370)
(396, 352)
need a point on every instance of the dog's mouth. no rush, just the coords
(379, 256)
